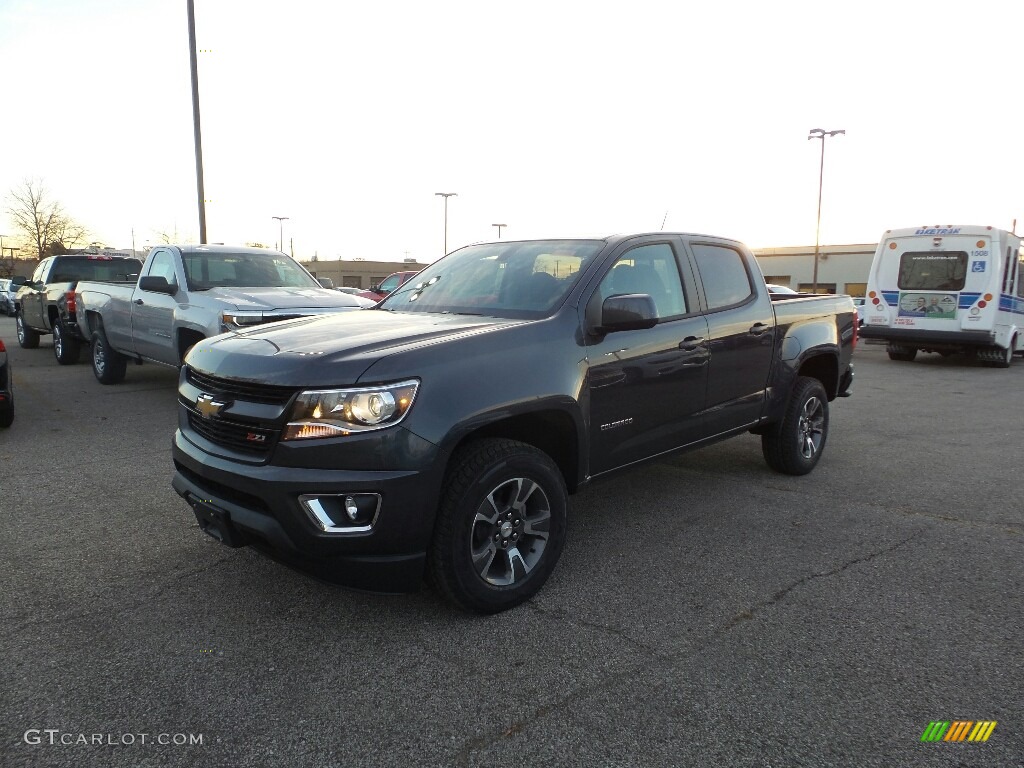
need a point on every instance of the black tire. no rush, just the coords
(7, 412)
(66, 348)
(794, 445)
(27, 338)
(901, 353)
(1003, 358)
(108, 366)
(500, 497)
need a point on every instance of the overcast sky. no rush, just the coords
(555, 118)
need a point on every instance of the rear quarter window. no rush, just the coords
(724, 274)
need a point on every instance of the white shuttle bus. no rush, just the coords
(946, 290)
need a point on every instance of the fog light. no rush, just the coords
(351, 509)
(342, 513)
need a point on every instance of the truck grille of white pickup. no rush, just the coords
(240, 390)
(234, 435)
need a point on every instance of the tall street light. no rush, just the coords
(499, 226)
(820, 133)
(280, 231)
(446, 195)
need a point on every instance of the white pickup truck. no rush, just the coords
(186, 293)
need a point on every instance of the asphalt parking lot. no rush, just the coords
(706, 611)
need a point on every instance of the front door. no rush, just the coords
(647, 388)
(153, 314)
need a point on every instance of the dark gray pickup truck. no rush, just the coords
(442, 432)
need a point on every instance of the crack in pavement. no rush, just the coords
(516, 727)
(910, 512)
(748, 614)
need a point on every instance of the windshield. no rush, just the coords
(517, 279)
(68, 269)
(244, 270)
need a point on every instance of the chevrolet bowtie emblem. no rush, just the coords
(208, 406)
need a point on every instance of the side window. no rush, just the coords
(40, 270)
(162, 265)
(1020, 275)
(650, 269)
(390, 284)
(724, 274)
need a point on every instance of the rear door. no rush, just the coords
(741, 334)
(647, 387)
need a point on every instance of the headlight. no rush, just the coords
(235, 320)
(338, 412)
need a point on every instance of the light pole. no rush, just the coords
(820, 133)
(499, 226)
(280, 231)
(446, 195)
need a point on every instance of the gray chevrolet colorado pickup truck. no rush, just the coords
(186, 293)
(441, 432)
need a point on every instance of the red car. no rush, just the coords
(387, 285)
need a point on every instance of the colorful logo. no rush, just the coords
(958, 730)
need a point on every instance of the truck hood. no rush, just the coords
(269, 299)
(330, 350)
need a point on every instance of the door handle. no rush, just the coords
(140, 302)
(759, 328)
(691, 343)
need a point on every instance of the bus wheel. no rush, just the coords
(901, 353)
(1003, 357)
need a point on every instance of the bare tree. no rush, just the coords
(42, 221)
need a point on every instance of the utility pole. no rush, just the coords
(820, 133)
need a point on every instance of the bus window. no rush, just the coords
(932, 271)
(1008, 272)
(1020, 275)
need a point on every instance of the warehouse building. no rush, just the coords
(841, 268)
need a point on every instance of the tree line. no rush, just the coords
(40, 223)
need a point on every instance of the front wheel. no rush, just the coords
(500, 527)
(108, 366)
(794, 445)
(27, 338)
(65, 348)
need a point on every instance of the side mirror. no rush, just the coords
(18, 280)
(628, 312)
(157, 284)
(375, 287)
(326, 282)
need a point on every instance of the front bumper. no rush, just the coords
(258, 505)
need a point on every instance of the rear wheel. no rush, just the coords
(1003, 358)
(27, 338)
(500, 527)
(65, 348)
(108, 366)
(901, 353)
(794, 445)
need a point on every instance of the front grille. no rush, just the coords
(240, 390)
(232, 434)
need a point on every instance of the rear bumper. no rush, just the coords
(259, 506)
(917, 337)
